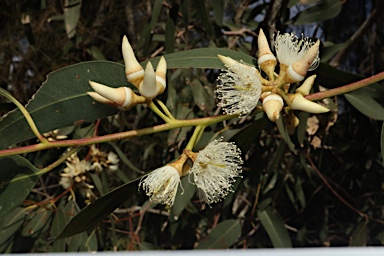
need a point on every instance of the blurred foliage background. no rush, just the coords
(322, 186)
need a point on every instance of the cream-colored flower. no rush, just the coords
(215, 170)
(161, 185)
(290, 49)
(239, 89)
(101, 160)
(75, 167)
(66, 182)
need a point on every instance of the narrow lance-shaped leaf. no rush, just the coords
(325, 10)
(99, 209)
(17, 178)
(222, 236)
(382, 142)
(274, 225)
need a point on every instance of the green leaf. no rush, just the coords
(95, 52)
(58, 224)
(302, 127)
(274, 225)
(72, 10)
(170, 31)
(200, 96)
(360, 235)
(382, 142)
(284, 133)
(222, 236)
(324, 11)
(246, 137)
(203, 16)
(218, 11)
(63, 100)
(155, 13)
(183, 196)
(146, 246)
(292, 3)
(363, 101)
(331, 49)
(99, 209)
(17, 178)
(202, 58)
(37, 223)
(9, 225)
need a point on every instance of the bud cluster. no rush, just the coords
(241, 86)
(148, 82)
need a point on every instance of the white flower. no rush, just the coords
(290, 49)
(113, 161)
(66, 182)
(75, 167)
(101, 160)
(239, 89)
(161, 185)
(215, 169)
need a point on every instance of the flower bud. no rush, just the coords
(116, 95)
(298, 102)
(299, 69)
(305, 88)
(122, 97)
(227, 61)
(133, 70)
(272, 105)
(161, 71)
(230, 63)
(148, 87)
(266, 59)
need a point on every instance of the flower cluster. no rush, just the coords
(148, 82)
(214, 171)
(76, 176)
(241, 86)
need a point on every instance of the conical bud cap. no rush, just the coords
(148, 88)
(298, 102)
(161, 71)
(133, 70)
(272, 105)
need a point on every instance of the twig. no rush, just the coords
(337, 194)
(358, 34)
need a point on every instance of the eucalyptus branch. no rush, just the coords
(170, 123)
(26, 114)
(346, 88)
(205, 121)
